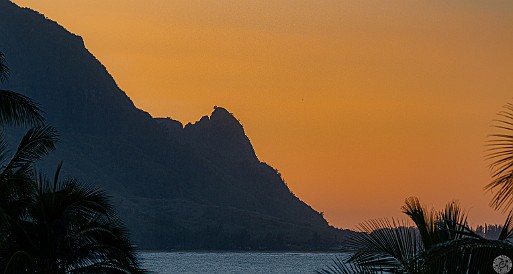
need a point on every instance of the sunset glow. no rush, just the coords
(359, 104)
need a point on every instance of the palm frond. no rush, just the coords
(81, 226)
(500, 152)
(3, 149)
(56, 176)
(454, 220)
(36, 143)
(4, 70)
(507, 228)
(102, 240)
(424, 220)
(14, 194)
(466, 255)
(15, 190)
(387, 246)
(18, 110)
(79, 199)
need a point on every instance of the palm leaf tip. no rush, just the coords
(500, 153)
(19, 110)
(386, 245)
(454, 221)
(507, 228)
(36, 143)
(424, 220)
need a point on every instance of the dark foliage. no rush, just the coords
(4, 70)
(440, 242)
(52, 227)
(387, 246)
(466, 255)
(18, 110)
(66, 228)
(500, 148)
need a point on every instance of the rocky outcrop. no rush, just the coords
(170, 183)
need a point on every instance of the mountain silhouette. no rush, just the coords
(195, 186)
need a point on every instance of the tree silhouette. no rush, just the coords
(16, 109)
(51, 226)
(67, 228)
(16, 171)
(440, 242)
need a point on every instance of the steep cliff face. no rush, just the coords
(53, 66)
(221, 141)
(171, 183)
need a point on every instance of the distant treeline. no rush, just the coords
(219, 238)
(489, 231)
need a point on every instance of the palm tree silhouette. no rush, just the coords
(68, 228)
(440, 242)
(16, 171)
(51, 226)
(16, 109)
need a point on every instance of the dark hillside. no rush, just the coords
(198, 186)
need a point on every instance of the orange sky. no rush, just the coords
(359, 104)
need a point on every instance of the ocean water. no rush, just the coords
(237, 262)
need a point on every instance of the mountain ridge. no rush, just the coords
(174, 184)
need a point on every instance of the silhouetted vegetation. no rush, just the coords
(4, 70)
(489, 231)
(51, 226)
(500, 148)
(441, 242)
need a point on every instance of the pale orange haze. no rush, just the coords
(359, 104)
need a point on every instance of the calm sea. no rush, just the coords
(236, 262)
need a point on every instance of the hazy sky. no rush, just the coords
(359, 104)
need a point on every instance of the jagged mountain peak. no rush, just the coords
(169, 187)
(222, 115)
(221, 135)
(220, 118)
